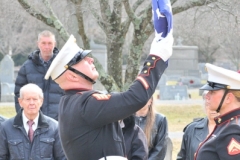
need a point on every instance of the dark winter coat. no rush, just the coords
(135, 140)
(33, 71)
(159, 136)
(15, 144)
(194, 134)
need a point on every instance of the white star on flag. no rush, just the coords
(159, 13)
(162, 18)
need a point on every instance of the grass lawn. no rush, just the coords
(7, 111)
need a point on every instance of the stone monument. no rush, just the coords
(7, 78)
(184, 60)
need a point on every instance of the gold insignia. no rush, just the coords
(228, 87)
(148, 64)
(101, 97)
(219, 120)
(153, 58)
(66, 66)
(233, 147)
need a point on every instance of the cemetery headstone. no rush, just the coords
(7, 79)
(174, 92)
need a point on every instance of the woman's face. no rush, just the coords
(213, 99)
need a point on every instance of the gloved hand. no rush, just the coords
(162, 48)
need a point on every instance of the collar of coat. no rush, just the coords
(34, 56)
(42, 121)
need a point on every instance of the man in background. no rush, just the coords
(30, 134)
(33, 71)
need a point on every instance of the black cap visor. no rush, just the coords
(212, 86)
(78, 57)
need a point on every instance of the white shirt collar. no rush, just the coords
(25, 124)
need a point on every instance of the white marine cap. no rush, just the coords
(69, 55)
(221, 78)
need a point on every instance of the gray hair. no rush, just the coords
(46, 33)
(32, 87)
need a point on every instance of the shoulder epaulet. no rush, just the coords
(101, 95)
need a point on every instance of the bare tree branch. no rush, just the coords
(81, 29)
(129, 10)
(96, 16)
(191, 4)
(105, 10)
(52, 21)
(173, 1)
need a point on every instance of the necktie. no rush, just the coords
(30, 131)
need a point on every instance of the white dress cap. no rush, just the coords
(221, 78)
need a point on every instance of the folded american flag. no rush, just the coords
(162, 18)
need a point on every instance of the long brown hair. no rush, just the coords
(149, 123)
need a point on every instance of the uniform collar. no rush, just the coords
(228, 116)
(76, 90)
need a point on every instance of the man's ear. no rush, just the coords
(20, 102)
(71, 76)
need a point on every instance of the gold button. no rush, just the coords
(219, 120)
(148, 63)
(145, 71)
(153, 58)
(232, 119)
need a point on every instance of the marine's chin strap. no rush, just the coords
(220, 105)
(80, 74)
